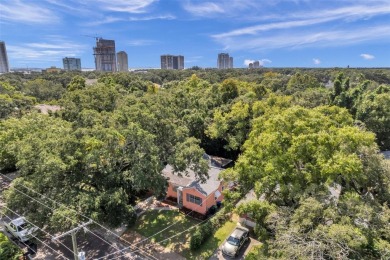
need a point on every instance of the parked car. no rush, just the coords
(21, 229)
(231, 247)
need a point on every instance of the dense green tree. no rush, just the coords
(43, 90)
(325, 180)
(374, 111)
(13, 102)
(301, 82)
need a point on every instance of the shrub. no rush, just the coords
(206, 230)
(196, 240)
(8, 250)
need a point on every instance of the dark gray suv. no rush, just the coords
(235, 241)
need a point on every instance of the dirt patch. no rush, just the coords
(44, 109)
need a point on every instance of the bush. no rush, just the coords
(219, 219)
(203, 232)
(196, 240)
(8, 250)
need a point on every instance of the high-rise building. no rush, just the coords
(172, 62)
(123, 64)
(71, 63)
(224, 61)
(4, 67)
(256, 64)
(105, 55)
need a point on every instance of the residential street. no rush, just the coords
(87, 242)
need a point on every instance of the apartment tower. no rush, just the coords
(71, 63)
(123, 64)
(4, 67)
(105, 55)
(224, 61)
(172, 62)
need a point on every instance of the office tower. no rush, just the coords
(123, 64)
(256, 64)
(105, 55)
(172, 62)
(4, 67)
(224, 61)
(251, 65)
(71, 63)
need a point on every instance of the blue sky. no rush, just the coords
(279, 33)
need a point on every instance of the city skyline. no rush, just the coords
(277, 33)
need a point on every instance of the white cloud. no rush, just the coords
(203, 9)
(52, 50)
(311, 18)
(306, 38)
(128, 6)
(26, 12)
(223, 8)
(261, 62)
(247, 62)
(157, 17)
(367, 56)
(106, 20)
(141, 42)
(316, 61)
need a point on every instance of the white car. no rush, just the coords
(20, 229)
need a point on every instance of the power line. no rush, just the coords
(65, 216)
(164, 229)
(61, 204)
(161, 240)
(133, 245)
(32, 249)
(62, 255)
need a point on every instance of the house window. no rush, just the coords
(174, 188)
(194, 199)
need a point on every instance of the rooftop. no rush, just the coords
(189, 179)
(18, 221)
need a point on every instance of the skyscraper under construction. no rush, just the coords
(105, 55)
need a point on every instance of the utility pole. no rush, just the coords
(74, 239)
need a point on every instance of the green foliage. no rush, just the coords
(12, 102)
(301, 82)
(323, 185)
(228, 90)
(43, 90)
(77, 82)
(374, 111)
(7, 249)
(201, 234)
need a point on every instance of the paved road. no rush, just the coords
(87, 242)
(243, 252)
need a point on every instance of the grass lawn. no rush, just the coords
(153, 221)
(208, 248)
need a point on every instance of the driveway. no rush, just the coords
(243, 252)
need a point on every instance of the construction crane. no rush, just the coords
(90, 36)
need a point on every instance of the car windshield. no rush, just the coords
(233, 241)
(23, 226)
